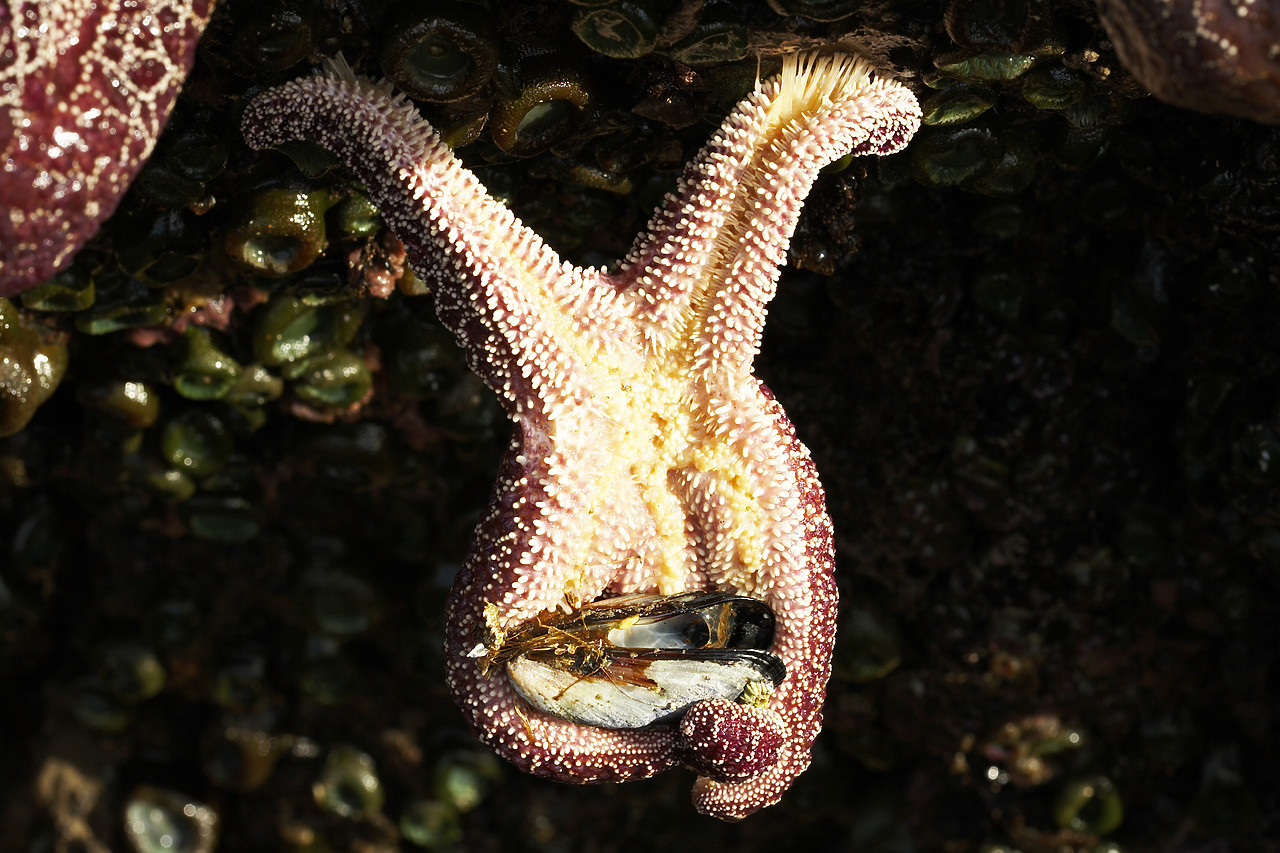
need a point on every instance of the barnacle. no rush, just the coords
(957, 104)
(273, 37)
(196, 441)
(338, 379)
(550, 104)
(130, 671)
(161, 248)
(431, 823)
(442, 54)
(348, 785)
(70, 290)
(190, 156)
(944, 157)
(1054, 87)
(718, 37)
(278, 230)
(32, 362)
(999, 24)
(241, 758)
(131, 402)
(290, 331)
(627, 29)
(817, 10)
(121, 302)
(205, 370)
(161, 820)
(464, 777)
(1089, 804)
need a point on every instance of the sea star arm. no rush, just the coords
(715, 256)
(499, 287)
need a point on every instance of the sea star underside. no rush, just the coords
(646, 456)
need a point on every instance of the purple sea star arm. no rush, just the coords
(795, 576)
(646, 457)
(1214, 56)
(85, 88)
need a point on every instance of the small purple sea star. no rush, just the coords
(646, 456)
(85, 88)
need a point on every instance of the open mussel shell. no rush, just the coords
(642, 660)
(636, 689)
(713, 620)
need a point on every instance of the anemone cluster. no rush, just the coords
(1032, 356)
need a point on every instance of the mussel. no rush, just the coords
(638, 660)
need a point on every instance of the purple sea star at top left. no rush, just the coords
(85, 88)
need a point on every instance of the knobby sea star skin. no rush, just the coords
(646, 457)
(1214, 56)
(85, 89)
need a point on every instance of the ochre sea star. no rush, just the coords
(1215, 56)
(85, 88)
(646, 456)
